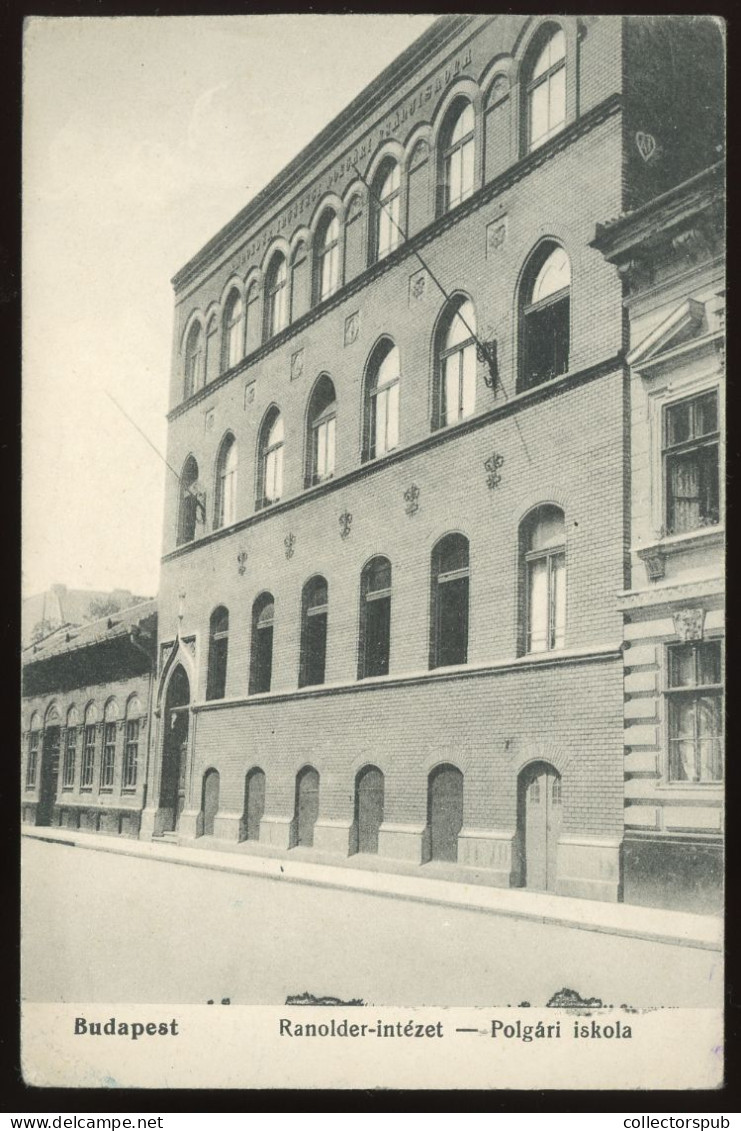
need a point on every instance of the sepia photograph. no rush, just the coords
(373, 551)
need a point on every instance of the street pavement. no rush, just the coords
(102, 926)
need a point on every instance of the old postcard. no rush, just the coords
(372, 721)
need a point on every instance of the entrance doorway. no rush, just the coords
(369, 807)
(307, 806)
(49, 776)
(254, 803)
(539, 820)
(445, 812)
(210, 800)
(175, 749)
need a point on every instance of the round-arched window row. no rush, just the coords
(544, 312)
(343, 245)
(89, 747)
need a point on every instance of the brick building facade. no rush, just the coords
(387, 618)
(671, 256)
(87, 694)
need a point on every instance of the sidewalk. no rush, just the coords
(426, 884)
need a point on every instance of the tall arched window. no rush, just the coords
(211, 363)
(546, 89)
(543, 556)
(261, 660)
(299, 282)
(457, 364)
(226, 484)
(233, 331)
(108, 759)
(252, 318)
(320, 439)
(387, 203)
(375, 618)
(131, 749)
(276, 289)
(382, 401)
(270, 471)
(193, 360)
(458, 145)
(449, 602)
(545, 313)
(190, 504)
(315, 609)
(218, 651)
(70, 749)
(328, 257)
(87, 769)
(34, 743)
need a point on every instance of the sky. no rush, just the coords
(142, 136)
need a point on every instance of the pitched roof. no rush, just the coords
(60, 606)
(70, 638)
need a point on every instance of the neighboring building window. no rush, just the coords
(70, 752)
(211, 363)
(189, 502)
(87, 769)
(691, 459)
(328, 257)
(233, 331)
(546, 91)
(131, 754)
(193, 360)
(695, 712)
(449, 612)
(261, 664)
(375, 618)
(315, 606)
(218, 649)
(270, 487)
(544, 551)
(457, 364)
(458, 155)
(32, 765)
(321, 431)
(277, 296)
(545, 313)
(226, 484)
(387, 191)
(108, 761)
(382, 408)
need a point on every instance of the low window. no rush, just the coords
(382, 404)
(217, 653)
(544, 317)
(261, 664)
(315, 606)
(270, 488)
(691, 462)
(321, 432)
(544, 552)
(695, 712)
(375, 618)
(449, 613)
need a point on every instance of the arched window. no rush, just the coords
(193, 360)
(543, 553)
(226, 484)
(191, 502)
(375, 618)
(546, 90)
(270, 477)
(277, 296)
(299, 282)
(131, 749)
(218, 650)
(70, 749)
(449, 602)
(252, 319)
(382, 401)
(211, 363)
(545, 312)
(34, 743)
(233, 331)
(457, 140)
(457, 364)
(315, 609)
(108, 759)
(387, 203)
(328, 257)
(320, 440)
(261, 661)
(87, 769)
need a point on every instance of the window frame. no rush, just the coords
(276, 289)
(550, 555)
(369, 597)
(682, 448)
(130, 768)
(218, 655)
(233, 343)
(317, 422)
(693, 692)
(451, 149)
(327, 257)
(373, 396)
(308, 612)
(268, 450)
(258, 644)
(545, 78)
(529, 311)
(226, 483)
(108, 756)
(445, 352)
(386, 208)
(193, 360)
(69, 759)
(438, 580)
(87, 761)
(32, 758)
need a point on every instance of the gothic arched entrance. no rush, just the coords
(175, 749)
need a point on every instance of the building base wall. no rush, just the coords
(404, 842)
(334, 836)
(589, 868)
(680, 876)
(277, 832)
(492, 850)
